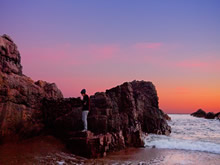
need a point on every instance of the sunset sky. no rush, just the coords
(96, 44)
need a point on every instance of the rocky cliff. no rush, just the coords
(20, 96)
(118, 118)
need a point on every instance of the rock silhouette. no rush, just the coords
(199, 113)
(118, 117)
(203, 114)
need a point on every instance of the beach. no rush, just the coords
(193, 141)
(48, 150)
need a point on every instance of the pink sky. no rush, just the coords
(100, 44)
(181, 85)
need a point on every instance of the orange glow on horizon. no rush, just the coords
(189, 100)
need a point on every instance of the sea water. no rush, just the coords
(189, 133)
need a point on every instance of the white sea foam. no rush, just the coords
(189, 133)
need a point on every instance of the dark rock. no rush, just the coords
(118, 118)
(167, 117)
(122, 113)
(20, 96)
(199, 113)
(217, 114)
(210, 115)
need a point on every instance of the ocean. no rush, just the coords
(193, 141)
(189, 133)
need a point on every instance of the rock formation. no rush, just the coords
(118, 118)
(20, 96)
(203, 114)
(210, 115)
(10, 60)
(199, 113)
(217, 116)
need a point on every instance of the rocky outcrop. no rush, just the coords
(210, 115)
(118, 118)
(10, 60)
(199, 113)
(217, 116)
(20, 96)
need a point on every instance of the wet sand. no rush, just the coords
(153, 156)
(49, 150)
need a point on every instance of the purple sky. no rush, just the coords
(100, 44)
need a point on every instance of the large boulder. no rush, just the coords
(20, 96)
(123, 113)
(199, 113)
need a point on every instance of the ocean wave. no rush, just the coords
(161, 141)
(189, 133)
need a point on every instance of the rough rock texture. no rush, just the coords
(199, 113)
(119, 116)
(20, 97)
(10, 60)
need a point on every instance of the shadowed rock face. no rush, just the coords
(118, 117)
(20, 96)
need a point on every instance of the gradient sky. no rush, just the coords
(100, 44)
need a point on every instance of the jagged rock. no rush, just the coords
(210, 115)
(10, 60)
(20, 96)
(125, 112)
(118, 117)
(199, 113)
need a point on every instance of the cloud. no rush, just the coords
(192, 64)
(148, 45)
(204, 65)
(102, 52)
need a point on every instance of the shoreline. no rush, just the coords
(153, 156)
(49, 150)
